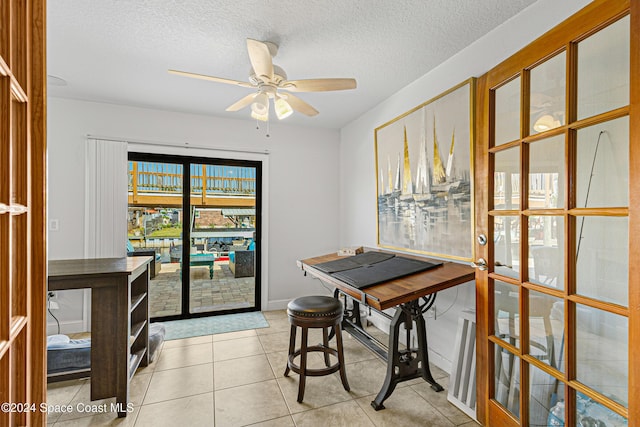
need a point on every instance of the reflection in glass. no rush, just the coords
(506, 238)
(222, 258)
(548, 81)
(506, 179)
(602, 258)
(507, 112)
(603, 165)
(546, 328)
(154, 221)
(507, 380)
(590, 412)
(602, 352)
(603, 70)
(546, 251)
(507, 313)
(546, 173)
(546, 399)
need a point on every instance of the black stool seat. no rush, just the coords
(315, 312)
(323, 307)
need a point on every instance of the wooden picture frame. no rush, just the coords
(424, 176)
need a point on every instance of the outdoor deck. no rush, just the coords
(223, 292)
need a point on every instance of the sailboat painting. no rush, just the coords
(424, 171)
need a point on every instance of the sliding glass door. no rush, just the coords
(200, 219)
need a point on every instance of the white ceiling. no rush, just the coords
(118, 51)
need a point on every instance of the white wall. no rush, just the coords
(311, 211)
(301, 180)
(357, 158)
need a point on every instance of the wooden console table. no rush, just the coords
(119, 319)
(412, 296)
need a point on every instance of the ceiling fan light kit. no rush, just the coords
(260, 105)
(262, 117)
(268, 78)
(282, 107)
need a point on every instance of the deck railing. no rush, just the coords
(159, 178)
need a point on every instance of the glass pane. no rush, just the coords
(546, 251)
(603, 70)
(592, 413)
(548, 82)
(603, 165)
(507, 313)
(546, 399)
(602, 258)
(546, 328)
(602, 352)
(507, 113)
(507, 380)
(506, 238)
(546, 173)
(221, 256)
(155, 221)
(506, 179)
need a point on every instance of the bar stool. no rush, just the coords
(315, 312)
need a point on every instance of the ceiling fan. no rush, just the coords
(269, 80)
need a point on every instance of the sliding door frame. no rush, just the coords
(186, 162)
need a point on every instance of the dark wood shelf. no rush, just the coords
(135, 331)
(135, 360)
(136, 300)
(119, 332)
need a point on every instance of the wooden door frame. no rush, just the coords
(38, 205)
(23, 68)
(591, 18)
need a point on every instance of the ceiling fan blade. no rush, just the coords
(260, 58)
(318, 85)
(211, 78)
(299, 105)
(242, 103)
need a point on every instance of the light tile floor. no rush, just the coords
(236, 379)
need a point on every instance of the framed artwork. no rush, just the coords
(424, 175)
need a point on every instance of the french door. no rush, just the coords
(200, 219)
(23, 259)
(558, 291)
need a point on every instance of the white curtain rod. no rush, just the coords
(173, 145)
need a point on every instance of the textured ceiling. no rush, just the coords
(118, 51)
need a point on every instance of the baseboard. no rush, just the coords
(66, 327)
(276, 305)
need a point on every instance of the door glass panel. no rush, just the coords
(602, 349)
(546, 399)
(507, 313)
(507, 380)
(546, 251)
(506, 179)
(602, 258)
(155, 229)
(222, 248)
(546, 328)
(603, 165)
(507, 112)
(603, 70)
(548, 82)
(506, 238)
(590, 412)
(546, 173)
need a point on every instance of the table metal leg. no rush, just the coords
(403, 365)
